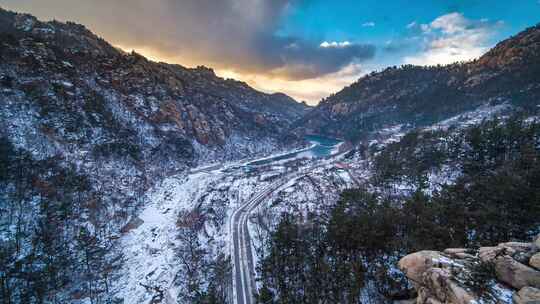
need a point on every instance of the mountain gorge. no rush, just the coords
(124, 180)
(446, 158)
(86, 130)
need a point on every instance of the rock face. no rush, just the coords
(420, 96)
(516, 274)
(535, 261)
(415, 265)
(488, 275)
(527, 295)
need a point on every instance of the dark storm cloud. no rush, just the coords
(233, 34)
(300, 59)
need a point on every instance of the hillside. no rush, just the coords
(84, 92)
(85, 130)
(433, 188)
(418, 96)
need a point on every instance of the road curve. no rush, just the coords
(243, 275)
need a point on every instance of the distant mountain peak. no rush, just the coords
(515, 52)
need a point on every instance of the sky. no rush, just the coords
(307, 49)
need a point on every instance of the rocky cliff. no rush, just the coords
(419, 96)
(506, 273)
(64, 84)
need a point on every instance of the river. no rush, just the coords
(319, 147)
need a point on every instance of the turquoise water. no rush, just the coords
(322, 147)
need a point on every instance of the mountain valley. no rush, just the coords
(125, 180)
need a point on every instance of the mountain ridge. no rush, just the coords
(74, 47)
(419, 95)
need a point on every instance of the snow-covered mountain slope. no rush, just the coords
(77, 89)
(454, 180)
(85, 130)
(97, 203)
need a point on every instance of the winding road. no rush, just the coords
(243, 266)
(243, 279)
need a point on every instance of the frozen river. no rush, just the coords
(320, 147)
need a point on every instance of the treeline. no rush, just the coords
(496, 198)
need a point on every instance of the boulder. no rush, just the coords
(523, 257)
(456, 250)
(424, 297)
(537, 242)
(518, 246)
(464, 256)
(460, 253)
(450, 277)
(527, 295)
(516, 274)
(535, 261)
(488, 254)
(416, 264)
(445, 289)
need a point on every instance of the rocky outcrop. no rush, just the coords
(535, 261)
(527, 295)
(415, 265)
(516, 274)
(501, 274)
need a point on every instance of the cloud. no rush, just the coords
(451, 38)
(368, 24)
(310, 90)
(400, 45)
(237, 35)
(298, 59)
(335, 44)
(414, 24)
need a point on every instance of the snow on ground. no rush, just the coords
(446, 175)
(472, 118)
(502, 293)
(149, 249)
(310, 193)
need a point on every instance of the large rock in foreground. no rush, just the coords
(501, 274)
(416, 265)
(515, 274)
(527, 295)
(535, 261)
